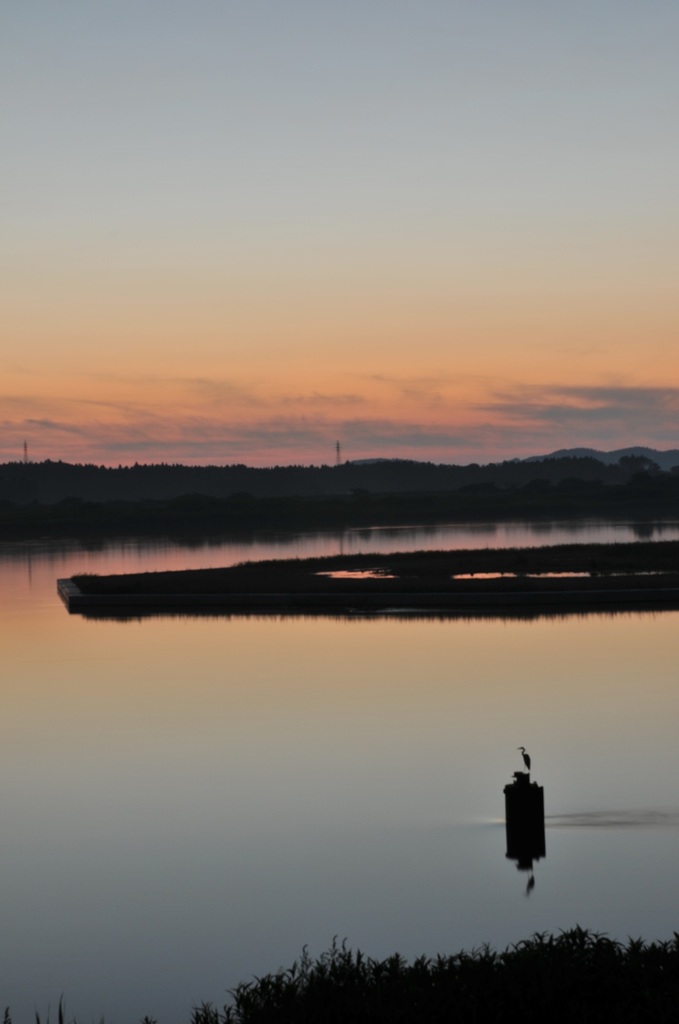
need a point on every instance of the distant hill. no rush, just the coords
(666, 460)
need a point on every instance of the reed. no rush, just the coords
(604, 565)
(576, 975)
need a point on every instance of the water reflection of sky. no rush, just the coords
(186, 802)
(133, 554)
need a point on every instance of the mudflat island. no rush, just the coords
(567, 574)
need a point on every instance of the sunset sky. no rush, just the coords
(432, 229)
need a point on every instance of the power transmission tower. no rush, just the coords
(338, 454)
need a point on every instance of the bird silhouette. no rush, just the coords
(526, 757)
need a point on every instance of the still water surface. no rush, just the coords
(188, 801)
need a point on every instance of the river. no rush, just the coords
(188, 801)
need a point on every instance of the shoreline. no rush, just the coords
(75, 600)
(585, 576)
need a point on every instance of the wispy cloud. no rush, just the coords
(317, 400)
(554, 405)
(55, 426)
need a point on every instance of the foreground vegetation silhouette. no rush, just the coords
(577, 975)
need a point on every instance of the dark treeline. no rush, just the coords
(50, 482)
(643, 496)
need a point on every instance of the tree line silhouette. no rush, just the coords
(53, 481)
(60, 499)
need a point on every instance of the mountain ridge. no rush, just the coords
(665, 459)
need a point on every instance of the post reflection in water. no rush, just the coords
(525, 822)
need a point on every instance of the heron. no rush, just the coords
(526, 757)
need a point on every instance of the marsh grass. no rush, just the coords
(605, 566)
(61, 1015)
(577, 975)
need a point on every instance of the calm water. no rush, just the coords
(186, 802)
